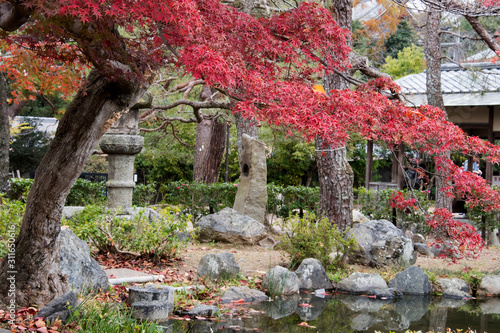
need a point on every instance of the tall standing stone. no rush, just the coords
(122, 143)
(251, 198)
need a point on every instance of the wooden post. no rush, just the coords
(400, 167)
(369, 164)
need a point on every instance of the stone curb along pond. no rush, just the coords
(362, 302)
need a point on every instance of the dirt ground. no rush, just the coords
(256, 260)
(253, 260)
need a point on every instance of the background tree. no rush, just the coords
(403, 37)
(25, 76)
(410, 60)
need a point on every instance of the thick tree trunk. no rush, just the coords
(4, 136)
(434, 95)
(36, 271)
(209, 150)
(335, 173)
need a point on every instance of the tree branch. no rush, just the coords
(459, 36)
(208, 104)
(481, 31)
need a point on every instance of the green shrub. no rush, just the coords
(376, 205)
(94, 316)
(85, 192)
(200, 199)
(19, 189)
(311, 238)
(11, 216)
(145, 194)
(108, 232)
(283, 200)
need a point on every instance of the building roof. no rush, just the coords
(43, 124)
(474, 84)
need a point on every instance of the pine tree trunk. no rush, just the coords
(209, 150)
(335, 174)
(4, 136)
(434, 95)
(38, 277)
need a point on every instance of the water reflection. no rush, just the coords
(348, 313)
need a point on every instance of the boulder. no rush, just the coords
(359, 283)
(220, 266)
(454, 288)
(244, 293)
(423, 249)
(83, 272)
(203, 310)
(251, 197)
(490, 285)
(229, 226)
(312, 275)
(380, 243)
(58, 308)
(411, 281)
(358, 217)
(280, 281)
(418, 238)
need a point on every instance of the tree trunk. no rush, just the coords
(434, 96)
(36, 271)
(209, 150)
(4, 136)
(335, 173)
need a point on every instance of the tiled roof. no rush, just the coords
(473, 84)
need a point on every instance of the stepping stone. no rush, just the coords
(123, 273)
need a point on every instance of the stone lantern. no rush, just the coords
(122, 142)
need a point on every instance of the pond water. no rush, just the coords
(348, 313)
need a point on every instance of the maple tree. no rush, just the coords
(29, 76)
(265, 67)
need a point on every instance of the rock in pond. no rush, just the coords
(243, 293)
(280, 281)
(411, 281)
(312, 275)
(359, 283)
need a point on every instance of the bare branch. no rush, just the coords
(361, 63)
(208, 104)
(460, 36)
(54, 111)
(162, 36)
